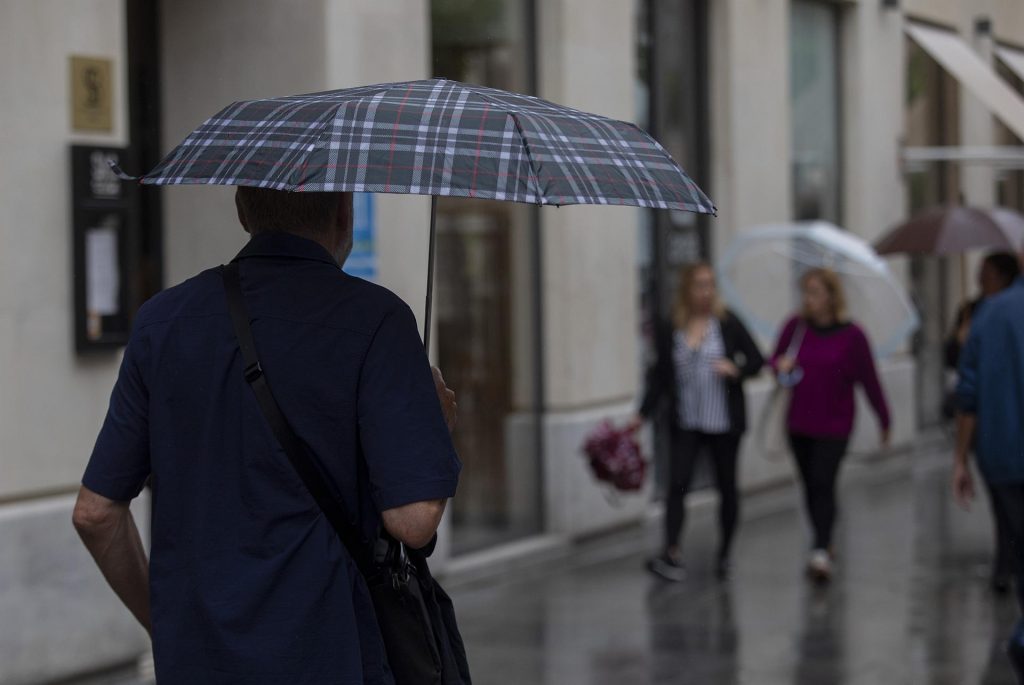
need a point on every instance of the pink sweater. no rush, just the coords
(833, 361)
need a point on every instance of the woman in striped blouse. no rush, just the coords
(703, 358)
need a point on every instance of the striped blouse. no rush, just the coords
(703, 396)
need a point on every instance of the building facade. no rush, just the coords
(781, 110)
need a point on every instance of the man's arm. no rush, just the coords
(966, 421)
(406, 414)
(414, 524)
(108, 530)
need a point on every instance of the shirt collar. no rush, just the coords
(288, 245)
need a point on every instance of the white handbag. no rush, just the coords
(771, 430)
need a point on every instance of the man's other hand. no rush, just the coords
(963, 484)
(447, 397)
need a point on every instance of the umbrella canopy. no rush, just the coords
(434, 137)
(780, 254)
(955, 230)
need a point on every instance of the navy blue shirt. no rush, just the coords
(249, 583)
(991, 384)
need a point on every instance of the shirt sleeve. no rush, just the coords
(119, 465)
(867, 376)
(408, 451)
(753, 361)
(657, 374)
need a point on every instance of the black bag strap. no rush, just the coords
(297, 451)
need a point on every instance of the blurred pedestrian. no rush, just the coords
(823, 356)
(703, 358)
(990, 395)
(247, 582)
(997, 273)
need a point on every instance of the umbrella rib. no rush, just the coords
(534, 173)
(484, 93)
(487, 94)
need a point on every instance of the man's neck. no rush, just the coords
(323, 241)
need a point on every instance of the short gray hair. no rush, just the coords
(278, 211)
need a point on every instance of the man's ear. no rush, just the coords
(241, 214)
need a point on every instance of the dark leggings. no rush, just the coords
(819, 460)
(686, 448)
(1009, 500)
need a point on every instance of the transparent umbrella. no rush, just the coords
(760, 272)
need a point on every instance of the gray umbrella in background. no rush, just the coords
(955, 230)
(434, 137)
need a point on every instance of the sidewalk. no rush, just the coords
(910, 605)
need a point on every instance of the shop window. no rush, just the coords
(815, 111)
(485, 297)
(672, 105)
(1009, 182)
(931, 119)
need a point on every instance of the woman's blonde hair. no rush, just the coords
(834, 287)
(681, 308)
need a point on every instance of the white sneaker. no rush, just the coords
(667, 568)
(819, 566)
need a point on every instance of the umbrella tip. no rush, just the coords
(119, 172)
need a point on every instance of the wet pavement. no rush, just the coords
(910, 603)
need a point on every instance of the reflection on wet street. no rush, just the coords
(911, 603)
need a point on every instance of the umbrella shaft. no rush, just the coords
(428, 309)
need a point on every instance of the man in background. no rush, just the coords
(990, 396)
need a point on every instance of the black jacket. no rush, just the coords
(661, 377)
(952, 346)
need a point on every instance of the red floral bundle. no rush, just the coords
(615, 457)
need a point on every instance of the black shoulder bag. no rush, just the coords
(416, 616)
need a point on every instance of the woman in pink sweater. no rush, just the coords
(823, 356)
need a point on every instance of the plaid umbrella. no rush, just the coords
(435, 137)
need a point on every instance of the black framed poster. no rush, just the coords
(103, 215)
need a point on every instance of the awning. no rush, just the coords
(972, 72)
(1004, 157)
(1014, 59)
